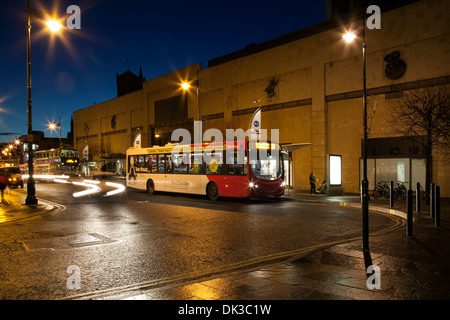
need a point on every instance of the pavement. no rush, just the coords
(13, 208)
(397, 266)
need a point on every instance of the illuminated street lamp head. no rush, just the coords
(349, 37)
(54, 25)
(185, 85)
(52, 125)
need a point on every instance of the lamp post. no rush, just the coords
(31, 189)
(349, 37)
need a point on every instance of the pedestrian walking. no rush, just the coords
(312, 182)
(2, 185)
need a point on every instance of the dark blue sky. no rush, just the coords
(79, 69)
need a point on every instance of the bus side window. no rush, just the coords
(161, 163)
(179, 164)
(197, 165)
(169, 164)
(215, 163)
(152, 163)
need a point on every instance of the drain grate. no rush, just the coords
(81, 240)
(67, 242)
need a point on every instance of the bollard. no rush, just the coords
(418, 196)
(391, 194)
(409, 215)
(432, 198)
(437, 221)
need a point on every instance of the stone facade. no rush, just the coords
(308, 85)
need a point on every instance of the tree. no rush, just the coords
(423, 114)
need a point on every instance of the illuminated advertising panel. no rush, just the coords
(335, 170)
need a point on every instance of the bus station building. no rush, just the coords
(309, 86)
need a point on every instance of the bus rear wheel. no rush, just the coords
(212, 191)
(150, 187)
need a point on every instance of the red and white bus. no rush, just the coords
(229, 169)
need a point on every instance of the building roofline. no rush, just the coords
(269, 44)
(302, 33)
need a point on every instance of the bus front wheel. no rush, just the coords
(212, 191)
(150, 187)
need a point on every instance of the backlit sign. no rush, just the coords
(335, 170)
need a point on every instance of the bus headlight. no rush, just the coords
(251, 184)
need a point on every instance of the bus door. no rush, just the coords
(161, 179)
(234, 169)
(180, 167)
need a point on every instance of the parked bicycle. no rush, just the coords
(423, 195)
(381, 190)
(400, 192)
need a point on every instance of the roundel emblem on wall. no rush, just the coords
(395, 66)
(256, 123)
(113, 121)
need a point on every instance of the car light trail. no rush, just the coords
(92, 181)
(92, 189)
(119, 188)
(46, 176)
(60, 181)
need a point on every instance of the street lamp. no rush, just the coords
(53, 26)
(349, 37)
(53, 126)
(185, 85)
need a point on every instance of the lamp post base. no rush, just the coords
(31, 197)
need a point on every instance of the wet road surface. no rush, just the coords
(132, 238)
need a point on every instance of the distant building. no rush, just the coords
(128, 82)
(40, 142)
(308, 84)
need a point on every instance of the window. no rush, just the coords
(180, 163)
(161, 163)
(267, 167)
(152, 163)
(197, 165)
(171, 109)
(235, 163)
(140, 163)
(395, 146)
(213, 162)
